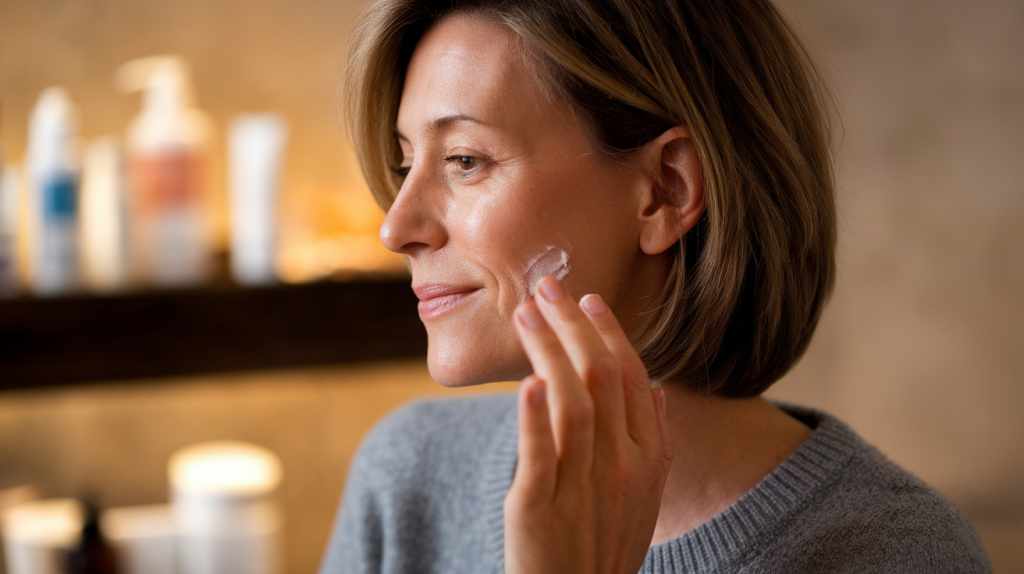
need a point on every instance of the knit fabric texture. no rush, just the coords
(426, 489)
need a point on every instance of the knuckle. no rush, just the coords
(608, 326)
(578, 416)
(620, 476)
(603, 369)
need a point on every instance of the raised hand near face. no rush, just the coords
(594, 449)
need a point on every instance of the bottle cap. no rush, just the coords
(165, 81)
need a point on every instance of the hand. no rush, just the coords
(594, 449)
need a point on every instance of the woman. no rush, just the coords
(666, 162)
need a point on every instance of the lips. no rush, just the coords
(437, 299)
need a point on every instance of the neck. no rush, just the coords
(722, 449)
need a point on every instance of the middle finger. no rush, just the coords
(595, 363)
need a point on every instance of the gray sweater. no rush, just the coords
(425, 494)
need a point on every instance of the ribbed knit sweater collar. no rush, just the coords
(730, 538)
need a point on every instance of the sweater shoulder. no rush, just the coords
(878, 516)
(425, 435)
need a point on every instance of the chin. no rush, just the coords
(456, 366)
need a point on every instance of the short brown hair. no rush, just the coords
(749, 281)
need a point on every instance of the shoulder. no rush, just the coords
(875, 515)
(433, 434)
(424, 468)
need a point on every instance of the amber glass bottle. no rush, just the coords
(93, 554)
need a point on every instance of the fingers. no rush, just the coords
(536, 469)
(596, 366)
(569, 403)
(597, 384)
(639, 410)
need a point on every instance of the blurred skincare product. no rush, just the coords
(168, 146)
(10, 188)
(227, 522)
(145, 538)
(104, 217)
(92, 554)
(38, 534)
(52, 166)
(256, 144)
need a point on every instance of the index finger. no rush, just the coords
(571, 408)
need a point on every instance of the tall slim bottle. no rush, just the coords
(256, 143)
(168, 147)
(10, 190)
(104, 218)
(52, 165)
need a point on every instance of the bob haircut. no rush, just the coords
(749, 281)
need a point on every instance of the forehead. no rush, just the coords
(468, 65)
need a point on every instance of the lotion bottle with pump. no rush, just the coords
(168, 153)
(52, 166)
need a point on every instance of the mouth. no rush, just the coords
(437, 299)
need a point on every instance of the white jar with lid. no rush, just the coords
(227, 521)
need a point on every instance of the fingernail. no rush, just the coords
(552, 289)
(593, 304)
(529, 316)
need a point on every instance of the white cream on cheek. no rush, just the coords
(552, 261)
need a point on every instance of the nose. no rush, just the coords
(414, 223)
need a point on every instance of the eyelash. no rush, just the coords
(451, 159)
(459, 171)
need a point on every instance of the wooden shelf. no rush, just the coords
(86, 338)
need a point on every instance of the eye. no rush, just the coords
(401, 171)
(464, 162)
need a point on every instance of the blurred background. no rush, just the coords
(111, 369)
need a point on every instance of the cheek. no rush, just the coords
(503, 232)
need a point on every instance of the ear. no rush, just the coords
(672, 201)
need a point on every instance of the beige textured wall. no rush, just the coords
(921, 345)
(920, 349)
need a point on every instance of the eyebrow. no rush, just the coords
(443, 123)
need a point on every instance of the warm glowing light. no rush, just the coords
(332, 233)
(231, 468)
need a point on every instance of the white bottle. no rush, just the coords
(52, 164)
(168, 151)
(10, 189)
(104, 217)
(256, 142)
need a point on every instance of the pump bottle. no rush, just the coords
(167, 148)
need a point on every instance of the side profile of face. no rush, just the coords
(499, 177)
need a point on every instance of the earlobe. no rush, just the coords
(673, 201)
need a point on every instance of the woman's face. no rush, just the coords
(499, 178)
